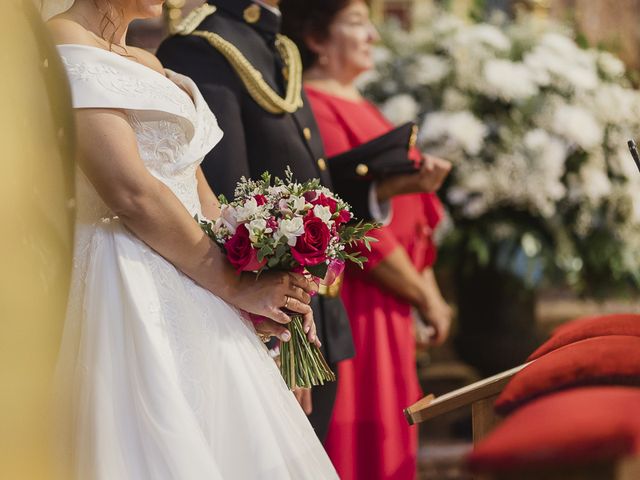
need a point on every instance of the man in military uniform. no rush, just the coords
(251, 77)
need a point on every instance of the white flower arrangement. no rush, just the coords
(536, 127)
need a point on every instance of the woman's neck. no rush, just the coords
(112, 31)
(325, 82)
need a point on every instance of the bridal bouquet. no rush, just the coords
(295, 227)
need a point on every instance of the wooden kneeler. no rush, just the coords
(480, 396)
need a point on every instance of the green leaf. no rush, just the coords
(319, 270)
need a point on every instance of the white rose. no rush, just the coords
(291, 229)
(297, 204)
(247, 211)
(322, 212)
(256, 228)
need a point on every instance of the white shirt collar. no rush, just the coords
(274, 10)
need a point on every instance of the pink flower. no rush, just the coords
(310, 248)
(241, 253)
(336, 267)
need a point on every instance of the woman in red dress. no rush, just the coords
(368, 436)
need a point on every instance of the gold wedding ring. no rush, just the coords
(286, 301)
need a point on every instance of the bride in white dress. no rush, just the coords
(162, 377)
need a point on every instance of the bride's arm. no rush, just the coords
(108, 155)
(208, 200)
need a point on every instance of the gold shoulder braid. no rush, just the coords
(252, 79)
(195, 18)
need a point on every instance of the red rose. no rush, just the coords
(343, 217)
(325, 201)
(241, 253)
(311, 246)
(260, 199)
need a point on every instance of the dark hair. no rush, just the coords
(309, 18)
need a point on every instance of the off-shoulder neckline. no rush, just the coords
(135, 63)
(109, 52)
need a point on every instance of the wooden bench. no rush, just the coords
(480, 396)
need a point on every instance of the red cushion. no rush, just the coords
(587, 327)
(613, 360)
(573, 427)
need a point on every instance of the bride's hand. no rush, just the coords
(269, 328)
(271, 292)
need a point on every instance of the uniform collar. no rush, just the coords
(267, 22)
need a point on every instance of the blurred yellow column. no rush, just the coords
(36, 187)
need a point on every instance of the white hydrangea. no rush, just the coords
(509, 81)
(367, 78)
(622, 164)
(381, 55)
(462, 128)
(446, 25)
(481, 36)
(577, 125)
(426, 70)
(610, 66)
(594, 182)
(557, 58)
(400, 109)
(549, 155)
(454, 100)
(613, 103)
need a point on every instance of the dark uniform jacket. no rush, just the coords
(255, 140)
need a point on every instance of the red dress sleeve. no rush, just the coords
(336, 140)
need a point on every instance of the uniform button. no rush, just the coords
(362, 169)
(307, 133)
(322, 164)
(251, 14)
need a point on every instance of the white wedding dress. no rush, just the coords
(164, 380)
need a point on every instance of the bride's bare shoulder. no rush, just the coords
(66, 31)
(146, 58)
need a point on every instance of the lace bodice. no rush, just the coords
(174, 127)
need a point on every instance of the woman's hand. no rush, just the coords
(272, 292)
(437, 318)
(428, 179)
